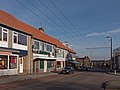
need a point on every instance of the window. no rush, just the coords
(58, 64)
(22, 39)
(45, 47)
(49, 48)
(49, 64)
(5, 35)
(15, 37)
(12, 62)
(0, 34)
(19, 38)
(41, 46)
(36, 45)
(3, 62)
(41, 64)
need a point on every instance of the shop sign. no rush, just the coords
(5, 52)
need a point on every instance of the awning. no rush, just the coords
(60, 59)
(14, 51)
(46, 57)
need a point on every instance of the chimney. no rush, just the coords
(42, 30)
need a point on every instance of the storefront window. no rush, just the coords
(58, 64)
(12, 62)
(49, 64)
(3, 62)
(41, 64)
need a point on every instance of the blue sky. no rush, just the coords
(92, 21)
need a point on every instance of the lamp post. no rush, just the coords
(110, 50)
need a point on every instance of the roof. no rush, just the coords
(11, 21)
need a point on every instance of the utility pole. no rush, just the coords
(110, 51)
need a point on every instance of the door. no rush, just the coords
(21, 65)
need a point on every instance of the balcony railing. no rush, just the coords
(41, 52)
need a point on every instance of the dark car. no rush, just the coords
(67, 70)
(83, 68)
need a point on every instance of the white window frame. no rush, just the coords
(3, 34)
(38, 42)
(49, 45)
(15, 35)
(16, 45)
(4, 43)
(27, 38)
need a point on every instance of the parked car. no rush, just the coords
(83, 68)
(67, 70)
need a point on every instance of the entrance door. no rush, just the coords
(34, 66)
(21, 65)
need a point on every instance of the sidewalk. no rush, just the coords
(113, 73)
(12, 78)
(111, 85)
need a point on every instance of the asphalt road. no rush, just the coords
(76, 81)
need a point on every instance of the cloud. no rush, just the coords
(95, 34)
(103, 33)
(114, 31)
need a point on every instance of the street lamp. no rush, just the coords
(110, 49)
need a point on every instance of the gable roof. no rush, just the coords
(11, 21)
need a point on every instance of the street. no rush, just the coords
(76, 81)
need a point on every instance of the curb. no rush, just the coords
(111, 73)
(8, 79)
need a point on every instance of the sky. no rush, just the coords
(82, 23)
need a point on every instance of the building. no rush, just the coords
(116, 58)
(25, 49)
(84, 61)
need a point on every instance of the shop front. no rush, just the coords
(60, 63)
(8, 63)
(43, 63)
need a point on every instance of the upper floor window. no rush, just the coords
(36, 45)
(0, 34)
(19, 38)
(49, 48)
(45, 47)
(3, 34)
(15, 37)
(41, 46)
(22, 39)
